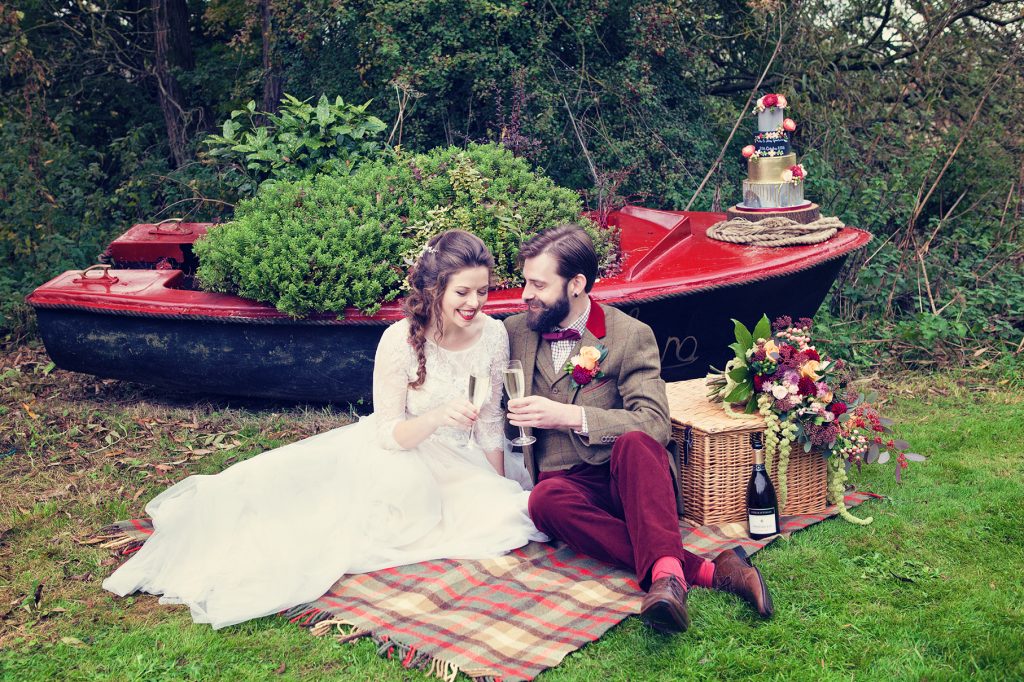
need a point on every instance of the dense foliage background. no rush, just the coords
(909, 118)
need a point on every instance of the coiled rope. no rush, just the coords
(776, 231)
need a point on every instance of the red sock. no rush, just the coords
(706, 574)
(668, 565)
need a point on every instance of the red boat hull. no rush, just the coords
(685, 286)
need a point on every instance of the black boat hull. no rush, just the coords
(333, 361)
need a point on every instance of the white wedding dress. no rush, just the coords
(279, 529)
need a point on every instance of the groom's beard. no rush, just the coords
(541, 317)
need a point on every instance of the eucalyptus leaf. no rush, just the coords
(915, 457)
(883, 457)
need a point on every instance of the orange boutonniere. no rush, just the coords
(585, 366)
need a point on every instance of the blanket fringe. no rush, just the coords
(414, 659)
(320, 624)
(118, 540)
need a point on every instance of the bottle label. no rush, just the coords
(762, 521)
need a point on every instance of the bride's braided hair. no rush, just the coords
(444, 255)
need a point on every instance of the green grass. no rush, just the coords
(931, 590)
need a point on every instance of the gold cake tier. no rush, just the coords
(769, 168)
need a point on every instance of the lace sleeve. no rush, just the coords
(391, 382)
(490, 429)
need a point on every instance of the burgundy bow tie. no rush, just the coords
(562, 335)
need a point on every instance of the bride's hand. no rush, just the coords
(459, 413)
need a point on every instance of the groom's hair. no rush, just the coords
(570, 246)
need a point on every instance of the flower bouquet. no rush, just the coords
(805, 399)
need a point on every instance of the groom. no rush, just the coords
(600, 468)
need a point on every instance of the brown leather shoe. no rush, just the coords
(734, 573)
(664, 606)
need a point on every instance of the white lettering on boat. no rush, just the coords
(674, 353)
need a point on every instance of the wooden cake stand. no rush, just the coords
(804, 214)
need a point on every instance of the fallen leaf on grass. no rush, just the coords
(72, 641)
(138, 493)
(200, 451)
(280, 671)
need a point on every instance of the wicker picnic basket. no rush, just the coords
(715, 460)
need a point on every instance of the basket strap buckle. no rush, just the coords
(687, 444)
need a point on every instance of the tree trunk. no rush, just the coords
(179, 37)
(273, 83)
(168, 91)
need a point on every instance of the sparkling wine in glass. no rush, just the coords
(479, 391)
(516, 388)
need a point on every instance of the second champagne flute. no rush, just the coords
(516, 388)
(479, 391)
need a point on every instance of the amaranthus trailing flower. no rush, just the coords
(802, 396)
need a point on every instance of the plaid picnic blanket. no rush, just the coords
(507, 618)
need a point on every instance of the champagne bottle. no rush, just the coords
(762, 504)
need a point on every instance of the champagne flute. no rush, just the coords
(479, 391)
(516, 388)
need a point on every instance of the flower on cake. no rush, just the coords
(769, 101)
(789, 125)
(750, 151)
(794, 174)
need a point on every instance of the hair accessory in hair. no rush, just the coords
(427, 248)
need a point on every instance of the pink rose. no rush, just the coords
(781, 101)
(770, 100)
(789, 125)
(748, 151)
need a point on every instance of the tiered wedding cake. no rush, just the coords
(775, 181)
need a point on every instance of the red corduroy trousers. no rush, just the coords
(622, 512)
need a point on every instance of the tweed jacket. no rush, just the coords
(630, 397)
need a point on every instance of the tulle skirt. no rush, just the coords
(279, 529)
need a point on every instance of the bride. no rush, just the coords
(420, 479)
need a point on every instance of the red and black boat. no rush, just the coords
(141, 319)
